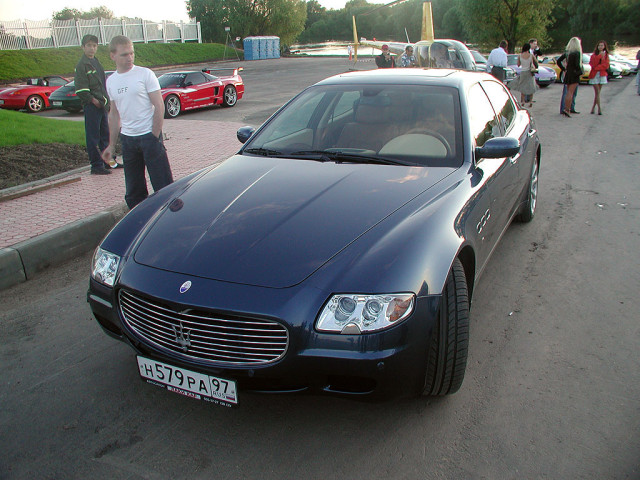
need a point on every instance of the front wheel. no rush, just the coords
(528, 210)
(172, 106)
(447, 355)
(229, 96)
(35, 103)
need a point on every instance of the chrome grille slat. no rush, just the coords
(210, 339)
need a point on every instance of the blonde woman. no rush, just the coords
(573, 72)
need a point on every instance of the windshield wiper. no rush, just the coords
(339, 156)
(265, 152)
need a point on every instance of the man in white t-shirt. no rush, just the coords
(137, 113)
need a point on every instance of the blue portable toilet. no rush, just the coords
(251, 48)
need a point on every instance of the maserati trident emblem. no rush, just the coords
(183, 337)
(185, 286)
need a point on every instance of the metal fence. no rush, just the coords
(27, 34)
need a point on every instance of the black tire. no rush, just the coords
(172, 106)
(229, 96)
(528, 209)
(35, 103)
(447, 356)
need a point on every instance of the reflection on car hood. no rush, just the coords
(272, 222)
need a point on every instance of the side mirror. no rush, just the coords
(498, 147)
(188, 84)
(244, 133)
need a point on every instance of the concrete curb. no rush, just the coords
(22, 261)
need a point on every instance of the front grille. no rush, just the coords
(203, 336)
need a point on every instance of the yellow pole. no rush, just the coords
(355, 39)
(427, 23)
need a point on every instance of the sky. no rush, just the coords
(154, 10)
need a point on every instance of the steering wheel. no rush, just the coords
(433, 133)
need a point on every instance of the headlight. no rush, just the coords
(353, 314)
(104, 267)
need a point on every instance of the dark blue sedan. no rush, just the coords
(336, 253)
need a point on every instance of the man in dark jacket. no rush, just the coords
(91, 89)
(385, 60)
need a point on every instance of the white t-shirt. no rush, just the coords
(129, 92)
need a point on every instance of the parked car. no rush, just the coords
(614, 69)
(337, 252)
(545, 76)
(551, 62)
(631, 65)
(188, 90)
(481, 66)
(65, 97)
(33, 96)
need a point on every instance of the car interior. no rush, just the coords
(415, 124)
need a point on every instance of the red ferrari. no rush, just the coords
(34, 96)
(188, 90)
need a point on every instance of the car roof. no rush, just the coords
(407, 76)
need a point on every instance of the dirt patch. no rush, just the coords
(22, 164)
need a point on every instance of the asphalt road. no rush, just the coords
(552, 387)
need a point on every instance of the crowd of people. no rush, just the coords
(570, 64)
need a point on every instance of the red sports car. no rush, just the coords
(34, 96)
(187, 90)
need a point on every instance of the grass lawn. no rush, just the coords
(23, 129)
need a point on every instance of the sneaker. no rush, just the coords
(102, 171)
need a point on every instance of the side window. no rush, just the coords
(345, 104)
(481, 116)
(295, 119)
(195, 78)
(56, 81)
(502, 103)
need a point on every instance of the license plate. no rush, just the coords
(188, 383)
(57, 104)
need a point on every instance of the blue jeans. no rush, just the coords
(96, 129)
(564, 94)
(140, 152)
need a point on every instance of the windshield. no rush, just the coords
(393, 124)
(171, 80)
(512, 59)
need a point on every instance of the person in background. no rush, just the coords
(535, 50)
(408, 59)
(525, 83)
(638, 72)
(562, 64)
(599, 62)
(497, 61)
(385, 60)
(572, 73)
(137, 113)
(91, 90)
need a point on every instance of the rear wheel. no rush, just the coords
(229, 96)
(172, 106)
(35, 103)
(447, 356)
(528, 210)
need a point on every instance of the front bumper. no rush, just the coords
(12, 103)
(386, 364)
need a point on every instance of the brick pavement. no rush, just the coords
(191, 145)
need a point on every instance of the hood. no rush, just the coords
(273, 222)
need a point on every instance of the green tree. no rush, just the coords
(74, 14)
(487, 22)
(282, 18)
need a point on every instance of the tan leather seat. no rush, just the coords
(372, 127)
